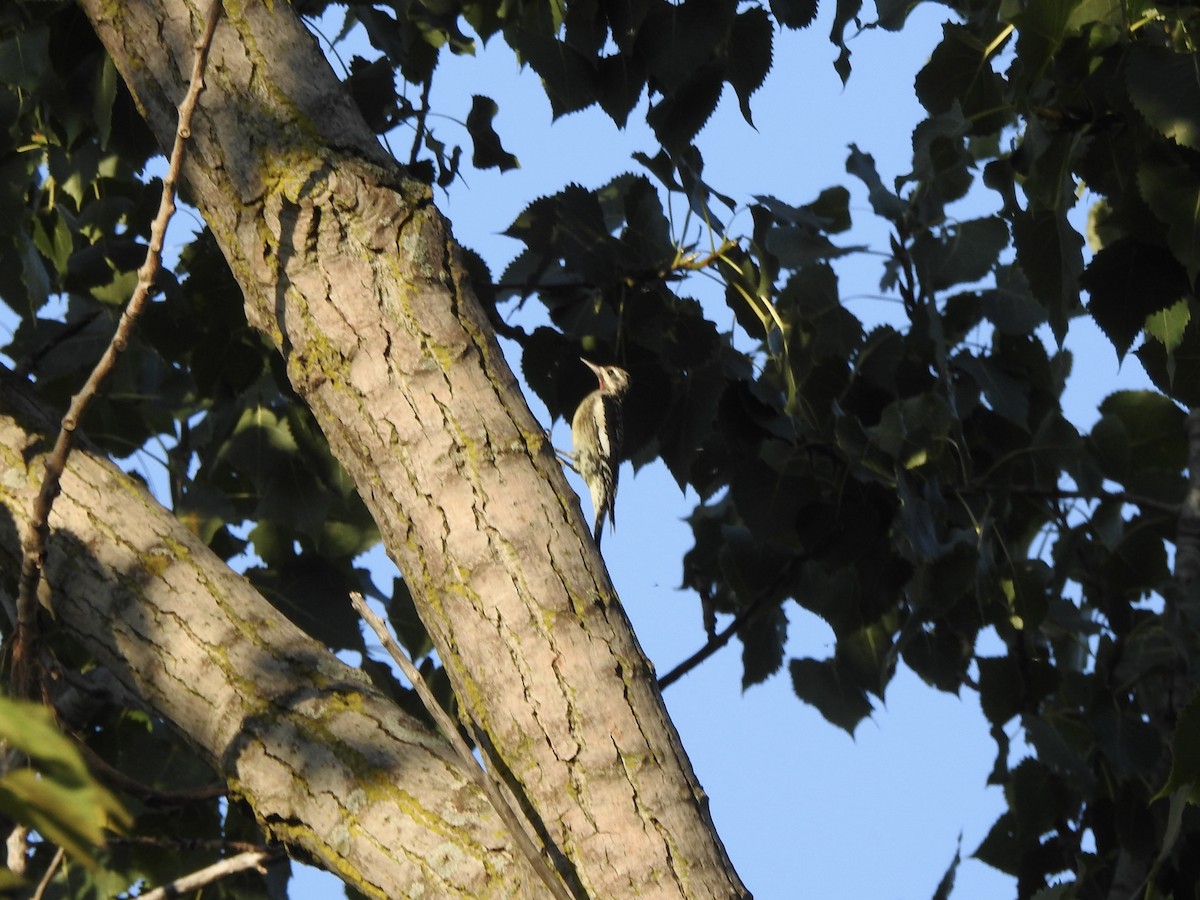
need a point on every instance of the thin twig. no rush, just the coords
(420, 126)
(44, 884)
(178, 845)
(254, 859)
(713, 644)
(114, 777)
(772, 593)
(471, 764)
(25, 681)
(1056, 493)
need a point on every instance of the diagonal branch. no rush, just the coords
(24, 678)
(482, 778)
(252, 859)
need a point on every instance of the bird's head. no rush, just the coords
(613, 379)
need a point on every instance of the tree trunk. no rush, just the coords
(348, 268)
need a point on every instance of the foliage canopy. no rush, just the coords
(912, 486)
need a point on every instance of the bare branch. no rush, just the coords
(713, 644)
(474, 768)
(44, 884)
(253, 859)
(25, 682)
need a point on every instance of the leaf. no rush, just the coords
(763, 638)
(1169, 325)
(25, 58)
(678, 42)
(488, 151)
(60, 799)
(1007, 395)
(964, 252)
(1128, 282)
(959, 72)
(372, 86)
(1165, 88)
(34, 275)
(1171, 188)
(1041, 28)
(946, 886)
(822, 684)
(678, 117)
(845, 12)
(794, 13)
(1001, 849)
(750, 42)
(1176, 374)
(1155, 427)
(1007, 686)
(1010, 306)
(1049, 252)
(102, 102)
(620, 80)
(568, 76)
(884, 202)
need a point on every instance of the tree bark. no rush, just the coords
(329, 765)
(349, 269)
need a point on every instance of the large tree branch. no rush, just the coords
(328, 764)
(349, 269)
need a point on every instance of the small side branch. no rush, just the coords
(474, 768)
(254, 859)
(712, 645)
(26, 683)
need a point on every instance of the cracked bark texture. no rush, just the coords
(328, 764)
(349, 269)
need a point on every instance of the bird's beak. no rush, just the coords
(591, 365)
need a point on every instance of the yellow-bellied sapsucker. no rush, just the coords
(596, 441)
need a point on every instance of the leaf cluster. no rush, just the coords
(920, 488)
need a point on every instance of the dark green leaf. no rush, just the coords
(1165, 88)
(372, 86)
(794, 13)
(946, 886)
(763, 638)
(845, 12)
(620, 82)
(962, 253)
(750, 59)
(1007, 687)
(1010, 306)
(1006, 393)
(1171, 188)
(959, 72)
(1049, 253)
(569, 77)
(678, 117)
(1185, 754)
(822, 684)
(1154, 427)
(488, 151)
(1177, 373)
(679, 42)
(884, 202)
(1128, 281)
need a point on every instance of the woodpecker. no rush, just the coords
(596, 441)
